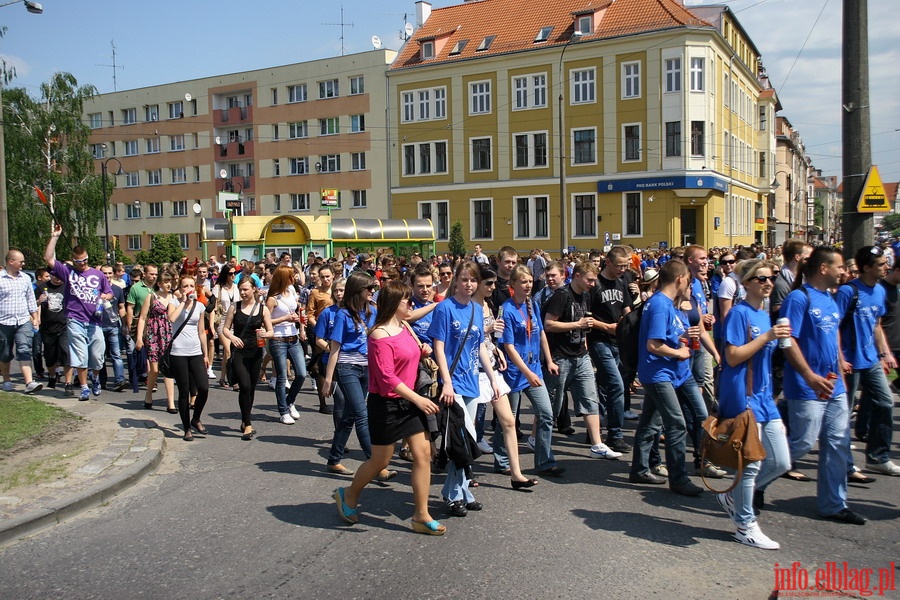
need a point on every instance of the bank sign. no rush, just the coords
(662, 183)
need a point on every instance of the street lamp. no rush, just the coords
(775, 185)
(110, 252)
(34, 8)
(563, 237)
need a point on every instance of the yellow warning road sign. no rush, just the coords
(873, 197)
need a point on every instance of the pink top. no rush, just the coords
(393, 360)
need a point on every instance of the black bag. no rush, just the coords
(165, 361)
(627, 333)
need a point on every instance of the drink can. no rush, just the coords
(784, 342)
(499, 334)
(303, 318)
(830, 377)
(695, 343)
(260, 341)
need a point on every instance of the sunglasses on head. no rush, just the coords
(765, 278)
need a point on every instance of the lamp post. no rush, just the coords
(34, 8)
(775, 185)
(563, 236)
(110, 251)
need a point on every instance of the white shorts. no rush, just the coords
(487, 392)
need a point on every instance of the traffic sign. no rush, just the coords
(873, 197)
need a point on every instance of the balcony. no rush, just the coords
(233, 115)
(235, 150)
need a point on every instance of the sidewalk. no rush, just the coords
(129, 448)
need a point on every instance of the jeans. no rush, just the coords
(757, 475)
(576, 375)
(86, 346)
(694, 412)
(456, 485)
(824, 421)
(610, 386)
(543, 450)
(353, 381)
(111, 335)
(282, 351)
(16, 338)
(875, 419)
(702, 368)
(662, 407)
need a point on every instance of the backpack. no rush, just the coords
(627, 334)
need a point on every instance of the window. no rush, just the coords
(585, 215)
(275, 132)
(357, 85)
(673, 75)
(631, 142)
(763, 172)
(328, 89)
(425, 158)
(179, 208)
(134, 242)
(357, 123)
(763, 116)
(585, 25)
(154, 177)
(277, 200)
(300, 166)
(531, 217)
(331, 163)
(329, 126)
(632, 212)
(132, 211)
(424, 105)
(583, 86)
(359, 199)
(297, 93)
(439, 213)
(176, 110)
(631, 80)
(131, 148)
(409, 107)
(152, 145)
(184, 240)
(480, 92)
(543, 35)
(151, 112)
(132, 179)
(95, 120)
(274, 96)
(584, 146)
(98, 151)
(726, 89)
(673, 138)
(530, 91)
(196, 140)
(299, 202)
(156, 210)
(481, 154)
(697, 80)
(357, 161)
(698, 138)
(485, 43)
(276, 167)
(300, 129)
(426, 50)
(482, 219)
(196, 174)
(179, 175)
(531, 150)
(458, 47)
(176, 142)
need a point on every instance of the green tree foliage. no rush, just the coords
(457, 243)
(46, 143)
(164, 248)
(891, 222)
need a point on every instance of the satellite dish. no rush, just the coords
(408, 29)
(223, 173)
(197, 208)
(187, 97)
(376, 42)
(219, 143)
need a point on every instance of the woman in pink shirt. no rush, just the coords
(395, 410)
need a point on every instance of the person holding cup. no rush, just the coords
(247, 326)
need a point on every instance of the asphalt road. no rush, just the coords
(224, 518)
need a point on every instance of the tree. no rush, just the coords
(164, 248)
(46, 144)
(891, 222)
(457, 243)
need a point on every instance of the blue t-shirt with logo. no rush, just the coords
(449, 326)
(421, 326)
(662, 321)
(742, 325)
(522, 328)
(352, 336)
(325, 325)
(859, 345)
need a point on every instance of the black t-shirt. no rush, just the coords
(500, 295)
(608, 299)
(890, 322)
(570, 307)
(53, 315)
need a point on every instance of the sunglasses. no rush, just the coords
(80, 262)
(386, 278)
(372, 288)
(765, 278)
(491, 283)
(727, 262)
(446, 274)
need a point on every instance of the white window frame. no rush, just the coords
(357, 123)
(678, 146)
(625, 233)
(151, 113)
(360, 199)
(532, 217)
(179, 175)
(132, 211)
(473, 234)
(572, 160)
(153, 145)
(426, 50)
(155, 210)
(129, 116)
(131, 147)
(640, 149)
(529, 91)
(95, 120)
(134, 242)
(418, 162)
(300, 203)
(698, 75)
(583, 89)
(298, 130)
(480, 97)
(329, 126)
(330, 163)
(297, 93)
(154, 177)
(176, 109)
(185, 240)
(531, 147)
(672, 75)
(329, 88)
(631, 80)
(300, 166)
(434, 209)
(573, 199)
(472, 141)
(434, 108)
(585, 24)
(357, 85)
(132, 179)
(357, 161)
(98, 151)
(179, 208)
(176, 143)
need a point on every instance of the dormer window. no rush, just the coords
(543, 35)
(458, 48)
(485, 43)
(585, 25)
(427, 50)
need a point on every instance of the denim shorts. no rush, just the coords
(18, 338)
(87, 347)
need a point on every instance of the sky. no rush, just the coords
(167, 41)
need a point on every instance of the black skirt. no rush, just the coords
(393, 419)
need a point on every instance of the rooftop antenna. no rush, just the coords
(113, 66)
(405, 33)
(341, 25)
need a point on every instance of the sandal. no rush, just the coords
(521, 485)
(429, 528)
(350, 515)
(406, 454)
(795, 476)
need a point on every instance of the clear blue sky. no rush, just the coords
(165, 41)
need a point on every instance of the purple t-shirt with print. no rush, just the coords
(83, 291)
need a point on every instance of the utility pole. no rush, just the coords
(858, 228)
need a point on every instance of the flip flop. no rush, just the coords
(795, 476)
(429, 528)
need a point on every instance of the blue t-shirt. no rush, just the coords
(522, 330)
(814, 320)
(421, 326)
(743, 324)
(859, 345)
(352, 336)
(699, 296)
(325, 325)
(449, 325)
(662, 321)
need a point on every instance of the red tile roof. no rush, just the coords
(890, 190)
(516, 23)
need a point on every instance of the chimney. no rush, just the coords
(423, 11)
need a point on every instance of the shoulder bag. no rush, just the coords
(165, 361)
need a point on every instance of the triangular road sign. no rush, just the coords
(873, 197)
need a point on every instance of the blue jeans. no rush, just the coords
(694, 412)
(662, 407)
(875, 419)
(543, 449)
(610, 386)
(824, 421)
(111, 335)
(456, 485)
(576, 375)
(702, 368)
(757, 475)
(16, 339)
(282, 351)
(353, 381)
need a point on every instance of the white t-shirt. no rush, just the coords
(285, 304)
(731, 289)
(188, 341)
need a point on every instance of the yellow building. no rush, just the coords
(652, 121)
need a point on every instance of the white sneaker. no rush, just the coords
(7, 386)
(885, 468)
(293, 412)
(727, 503)
(630, 415)
(752, 535)
(660, 470)
(601, 450)
(312, 382)
(287, 419)
(210, 374)
(33, 387)
(531, 442)
(272, 383)
(485, 447)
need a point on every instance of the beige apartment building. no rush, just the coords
(277, 136)
(792, 184)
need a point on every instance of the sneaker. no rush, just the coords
(630, 415)
(485, 447)
(120, 385)
(67, 389)
(531, 442)
(686, 488)
(712, 471)
(7, 386)
(603, 451)
(33, 387)
(618, 444)
(287, 419)
(272, 383)
(660, 470)
(312, 382)
(96, 389)
(727, 503)
(210, 374)
(885, 468)
(293, 411)
(51, 382)
(85, 394)
(752, 535)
